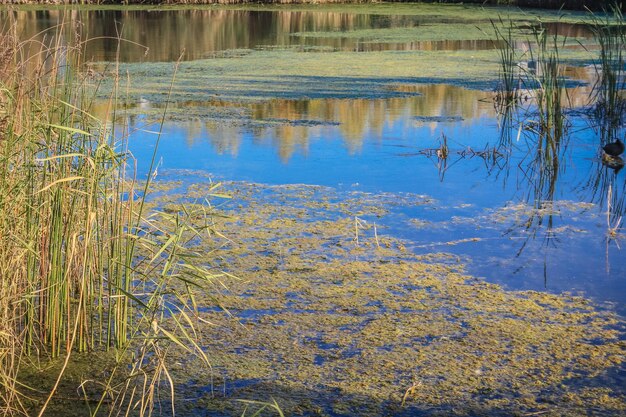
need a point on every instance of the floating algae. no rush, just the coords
(332, 317)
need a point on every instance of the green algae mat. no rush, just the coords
(321, 311)
(330, 316)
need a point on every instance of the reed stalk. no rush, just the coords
(507, 92)
(548, 83)
(609, 91)
(83, 266)
(537, 104)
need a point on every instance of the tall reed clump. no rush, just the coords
(534, 75)
(84, 267)
(546, 78)
(609, 91)
(507, 92)
(538, 103)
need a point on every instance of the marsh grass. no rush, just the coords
(538, 69)
(532, 94)
(608, 93)
(531, 82)
(546, 78)
(542, 119)
(84, 265)
(508, 91)
(261, 407)
(546, 128)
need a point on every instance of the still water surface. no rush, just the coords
(384, 144)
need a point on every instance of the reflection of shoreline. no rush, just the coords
(188, 30)
(160, 35)
(289, 125)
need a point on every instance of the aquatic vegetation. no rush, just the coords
(542, 119)
(326, 325)
(550, 89)
(537, 103)
(284, 65)
(609, 92)
(508, 90)
(613, 226)
(290, 74)
(541, 76)
(426, 32)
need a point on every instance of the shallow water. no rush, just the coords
(385, 146)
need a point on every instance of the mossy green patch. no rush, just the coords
(80, 388)
(426, 32)
(263, 75)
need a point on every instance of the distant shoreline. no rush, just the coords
(545, 4)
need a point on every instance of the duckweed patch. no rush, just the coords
(80, 388)
(428, 32)
(330, 316)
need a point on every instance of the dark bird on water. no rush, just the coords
(614, 149)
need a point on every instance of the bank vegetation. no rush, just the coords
(85, 267)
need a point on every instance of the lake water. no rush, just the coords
(517, 227)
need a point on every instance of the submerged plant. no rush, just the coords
(613, 227)
(262, 406)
